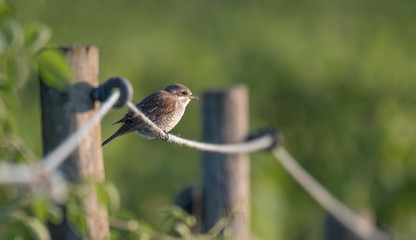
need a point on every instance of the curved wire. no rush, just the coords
(256, 144)
(59, 154)
(357, 224)
(27, 173)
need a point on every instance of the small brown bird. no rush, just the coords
(165, 108)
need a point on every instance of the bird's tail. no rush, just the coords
(110, 138)
(125, 128)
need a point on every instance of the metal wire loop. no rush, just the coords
(103, 92)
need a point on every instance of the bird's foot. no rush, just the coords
(164, 137)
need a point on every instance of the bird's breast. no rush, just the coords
(168, 122)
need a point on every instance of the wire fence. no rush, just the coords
(32, 173)
(249, 146)
(354, 222)
(29, 173)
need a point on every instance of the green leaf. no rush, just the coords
(55, 214)
(10, 73)
(102, 194)
(124, 214)
(12, 35)
(40, 207)
(7, 210)
(173, 215)
(36, 37)
(183, 230)
(17, 71)
(108, 195)
(5, 9)
(35, 228)
(53, 68)
(76, 216)
(46, 210)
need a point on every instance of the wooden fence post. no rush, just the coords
(64, 112)
(226, 186)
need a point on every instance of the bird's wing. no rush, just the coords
(154, 106)
(127, 127)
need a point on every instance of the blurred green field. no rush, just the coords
(337, 77)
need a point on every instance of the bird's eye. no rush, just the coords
(184, 93)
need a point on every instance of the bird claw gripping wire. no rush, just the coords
(164, 137)
(272, 131)
(102, 92)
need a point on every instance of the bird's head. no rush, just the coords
(182, 93)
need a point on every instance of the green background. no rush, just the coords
(336, 77)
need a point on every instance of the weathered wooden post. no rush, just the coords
(226, 186)
(63, 112)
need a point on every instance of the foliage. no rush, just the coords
(22, 216)
(175, 223)
(19, 56)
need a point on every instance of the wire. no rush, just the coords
(357, 224)
(141, 115)
(27, 173)
(12, 173)
(59, 154)
(256, 144)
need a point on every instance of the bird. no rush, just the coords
(164, 107)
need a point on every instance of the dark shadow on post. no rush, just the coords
(63, 113)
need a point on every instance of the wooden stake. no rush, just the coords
(64, 112)
(226, 176)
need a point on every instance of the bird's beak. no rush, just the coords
(194, 97)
